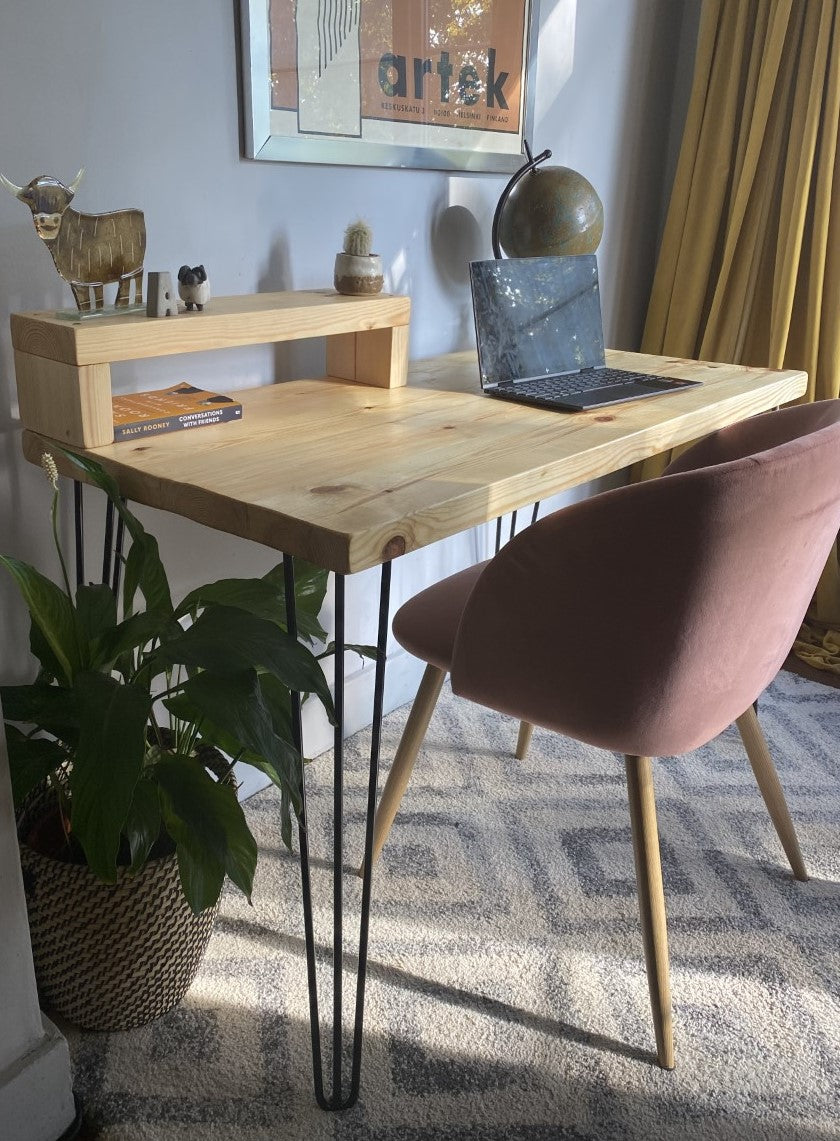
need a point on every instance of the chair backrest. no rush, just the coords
(648, 618)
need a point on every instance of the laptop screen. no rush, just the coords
(536, 317)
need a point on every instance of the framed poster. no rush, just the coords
(441, 84)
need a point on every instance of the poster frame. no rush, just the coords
(261, 142)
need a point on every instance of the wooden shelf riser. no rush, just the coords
(63, 365)
(378, 357)
(70, 403)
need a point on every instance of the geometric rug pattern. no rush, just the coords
(506, 994)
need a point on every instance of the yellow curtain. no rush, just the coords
(749, 269)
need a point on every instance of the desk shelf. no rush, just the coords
(63, 365)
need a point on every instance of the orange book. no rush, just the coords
(169, 410)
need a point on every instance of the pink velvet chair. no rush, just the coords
(645, 620)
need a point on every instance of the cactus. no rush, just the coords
(358, 239)
(357, 270)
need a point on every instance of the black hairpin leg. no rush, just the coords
(79, 530)
(512, 532)
(337, 1099)
(110, 546)
(118, 546)
(303, 839)
(367, 861)
(107, 541)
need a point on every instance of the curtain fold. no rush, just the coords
(749, 267)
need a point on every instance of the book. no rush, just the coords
(170, 410)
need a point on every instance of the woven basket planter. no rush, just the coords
(111, 956)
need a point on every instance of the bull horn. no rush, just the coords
(74, 185)
(10, 186)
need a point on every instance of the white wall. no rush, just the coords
(145, 97)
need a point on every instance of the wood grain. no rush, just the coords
(377, 357)
(63, 365)
(651, 899)
(68, 403)
(770, 787)
(348, 476)
(227, 322)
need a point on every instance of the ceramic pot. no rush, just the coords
(358, 273)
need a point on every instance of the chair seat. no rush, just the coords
(426, 625)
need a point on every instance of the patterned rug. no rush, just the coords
(507, 997)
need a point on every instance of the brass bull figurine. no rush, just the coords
(89, 250)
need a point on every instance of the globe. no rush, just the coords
(550, 211)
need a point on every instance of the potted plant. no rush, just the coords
(357, 270)
(121, 754)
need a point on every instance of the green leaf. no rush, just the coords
(132, 572)
(51, 610)
(144, 570)
(51, 708)
(31, 760)
(143, 566)
(209, 828)
(254, 595)
(362, 651)
(291, 792)
(282, 766)
(283, 769)
(109, 485)
(132, 633)
(286, 819)
(277, 700)
(310, 591)
(202, 876)
(42, 651)
(310, 586)
(142, 826)
(228, 641)
(233, 703)
(184, 709)
(96, 610)
(107, 765)
(97, 475)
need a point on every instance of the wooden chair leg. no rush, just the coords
(406, 755)
(770, 788)
(526, 732)
(651, 901)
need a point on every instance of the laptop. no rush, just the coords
(540, 339)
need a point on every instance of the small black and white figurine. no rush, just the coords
(193, 286)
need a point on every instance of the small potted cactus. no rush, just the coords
(357, 270)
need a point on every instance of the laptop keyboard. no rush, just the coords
(576, 382)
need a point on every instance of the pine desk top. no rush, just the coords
(349, 476)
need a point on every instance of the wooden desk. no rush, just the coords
(350, 477)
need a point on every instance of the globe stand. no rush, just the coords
(530, 165)
(553, 213)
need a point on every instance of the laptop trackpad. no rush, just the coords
(617, 393)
